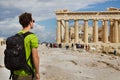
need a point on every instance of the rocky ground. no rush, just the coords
(62, 64)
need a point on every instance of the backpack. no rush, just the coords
(14, 54)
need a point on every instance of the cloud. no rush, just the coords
(41, 10)
(7, 28)
(11, 26)
(44, 35)
(44, 9)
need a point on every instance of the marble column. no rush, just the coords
(66, 32)
(70, 37)
(119, 31)
(102, 35)
(105, 31)
(86, 31)
(58, 40)
(111, 31)
(116, 40)
(76, 31)
(95, 31)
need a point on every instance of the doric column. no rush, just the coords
(116, 40)
(95, 31)
(102, 35)
(111, 30)
(105, 31)
(70, 37)
(119, 31)
(66, 32)
(86, 31)
(76, 31)
(58, 40)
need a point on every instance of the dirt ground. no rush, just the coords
(62, 64)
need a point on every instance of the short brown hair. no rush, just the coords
(25, 18)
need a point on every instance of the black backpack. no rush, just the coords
(14, 54)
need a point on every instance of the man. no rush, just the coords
(31, 45)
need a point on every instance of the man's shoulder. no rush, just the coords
(32, 37)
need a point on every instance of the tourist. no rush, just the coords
(51, 45)
(31, 45)
(67, 46)
(60, 45)
(72, 45)
(115, 52)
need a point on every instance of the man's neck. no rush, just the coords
(26, 28)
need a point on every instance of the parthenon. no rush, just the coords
(110, 26)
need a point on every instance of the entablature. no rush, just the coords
(88, 15)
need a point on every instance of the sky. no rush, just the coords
(43, 12)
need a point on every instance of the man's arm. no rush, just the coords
(36, 62)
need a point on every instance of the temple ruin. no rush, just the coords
(107, 32)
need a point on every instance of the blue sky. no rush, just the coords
(43, 12)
